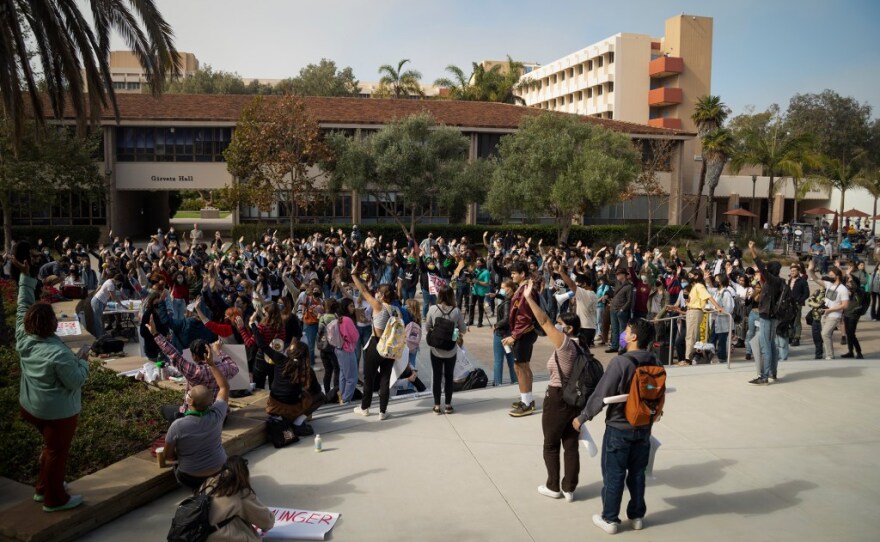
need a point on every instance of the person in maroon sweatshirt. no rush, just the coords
(641, 292)
(521, 340)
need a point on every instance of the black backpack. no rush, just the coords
(785, 309)
(192, 520)
(441, 335)
(585, 375)
(858, 303)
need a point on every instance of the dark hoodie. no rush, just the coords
(615, 381)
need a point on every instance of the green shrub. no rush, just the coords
(87, 235)
(591, 235)
(191, 204)
(120, 417)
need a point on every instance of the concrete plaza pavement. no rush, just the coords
(795, 460)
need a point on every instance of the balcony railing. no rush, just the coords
(665, 66)
(664, 96)
(665, 122)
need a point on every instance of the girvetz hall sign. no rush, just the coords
(179, 178)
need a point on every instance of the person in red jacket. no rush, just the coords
(641, 292)
(521, 340)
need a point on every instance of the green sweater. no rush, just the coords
(51, 375)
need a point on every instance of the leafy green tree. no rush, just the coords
(208, 81)
(718, 146)
(322, 79)
(72, 54)
(492, 85)
(656, 157)
(870, 181)
(709, 115)
(401, 83)
(763, 140)
(407, 166)
(561, 165)
(44, 166)
(844, 177)
(459, 84)
(841, 125)
(274, 153)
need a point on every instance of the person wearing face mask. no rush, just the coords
(735, 253)
(179, 294)
(107, 292)
(753, 299)
(500, 331)
(697, 300)
(428, 266)
(772, 287)
(836, 302)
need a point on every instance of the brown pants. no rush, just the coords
(57, 436)
(556, 417)
(308, 405)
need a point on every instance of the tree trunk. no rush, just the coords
(290, 211)
(840, 221)
(794, 183)
(650, 221)
(770, 202)
(564, 229)
(7, 221)
(873, 221)
(700, 187)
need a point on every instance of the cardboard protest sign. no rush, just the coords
(293, 524)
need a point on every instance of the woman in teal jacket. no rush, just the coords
(51, 380)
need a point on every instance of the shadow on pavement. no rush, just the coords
(745, 503)
(833, 372)
(692, 476)
(326, 496)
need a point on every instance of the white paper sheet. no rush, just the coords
(294, 524)
(649, 470)
(587, 441)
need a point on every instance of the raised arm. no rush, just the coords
(365, 293)
(556, 337)
(219, 377)
(811, 272)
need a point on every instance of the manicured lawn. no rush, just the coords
(195, 214)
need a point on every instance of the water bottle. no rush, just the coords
(318, 443)
(455, 335)
(161, 367)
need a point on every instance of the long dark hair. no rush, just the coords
(572, 320)
(233, 478)
(344, 308)
(296, 369)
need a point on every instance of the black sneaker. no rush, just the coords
(611, 350)
(759, 382)
(843, 340)
(748, 357)
(860, 356)
(303, 430)
(522, 409)
(848, 355)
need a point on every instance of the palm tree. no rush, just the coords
(843, 176)
(777, 151)
(459, 84)
(718, 146)
(51, 46)
(709, 115)
(870, 181)
(401, 83)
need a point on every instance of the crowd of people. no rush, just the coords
(342, 303)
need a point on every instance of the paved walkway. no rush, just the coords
(792, 461)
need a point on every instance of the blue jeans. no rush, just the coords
(769, 354)
(348, 374)
(624, 459)
(619, 319)
(408, 293)
(98, 318)
(179, 306)
(599, 312)
(311, 331)
(781, 349)
(427, 301)
(720, 341)
(750, 334)
(365, 333)
(500, 356)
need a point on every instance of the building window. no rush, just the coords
(610, 86)
(580, 95)
(580, 69)
(118, 85)
(487, 144)
(611, 57)
(562, 75)
(146, 144)
(599, 90)
(590, 92)
(599, 61)
(132, 86)
(589, 65)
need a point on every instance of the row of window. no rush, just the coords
(338, 210)
(126, 85)
(570, 73)
(65, 209)
(139, 144)
(577, 96)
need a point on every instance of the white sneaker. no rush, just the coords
(610, 528)
(569, 496)
(384, 416)
(361, 412)
(542, 489)
(638, 524)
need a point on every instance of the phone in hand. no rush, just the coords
(83, 351)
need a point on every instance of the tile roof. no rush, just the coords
(344, 111)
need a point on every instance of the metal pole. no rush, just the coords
(729, 341)
(754, 183)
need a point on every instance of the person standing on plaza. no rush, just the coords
(585, 304)
(50, 396)
(771, 289)
(620, 307)
(348, 370)
(443, 360)
(836, 302)
(556, 414)
(106, 293)
(521, 340)
(800, 290)
(851, 317)
(479, 289)
(697, 299)
(625, 448)
(500, 331)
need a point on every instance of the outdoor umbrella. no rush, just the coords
(741, 212)
(853, 213)
(818, 211)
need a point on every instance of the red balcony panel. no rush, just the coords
(665, 66)
(665, 122)
(664, 96)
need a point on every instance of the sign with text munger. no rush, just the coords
(293, 524)
(171, 175)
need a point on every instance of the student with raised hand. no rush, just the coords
(556, 414)
(377, 370)
(837, 299)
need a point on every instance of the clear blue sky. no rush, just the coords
(764, 50)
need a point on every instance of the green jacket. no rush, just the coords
(51, 375)
(481, 275)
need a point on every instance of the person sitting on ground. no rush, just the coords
(184, 330)
(295, 392)
(233, 498)
(197, 372)
(195, 440)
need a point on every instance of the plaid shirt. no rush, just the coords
(196, 373)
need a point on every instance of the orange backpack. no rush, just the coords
(647, 393)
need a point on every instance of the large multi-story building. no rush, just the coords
(128, 74)
(631, 77)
